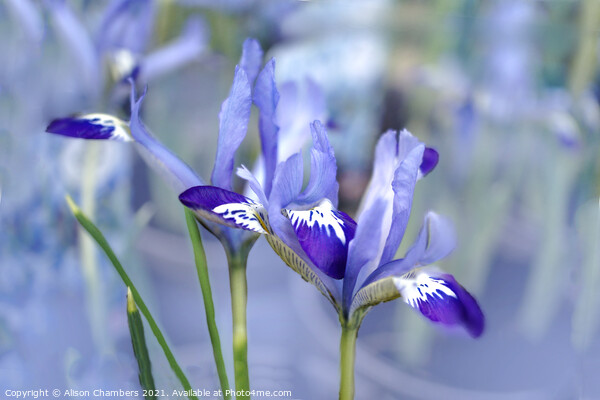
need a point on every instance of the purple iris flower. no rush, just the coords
(351, 263)
(234, 117)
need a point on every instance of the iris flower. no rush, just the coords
(351, 262)
(234, 117)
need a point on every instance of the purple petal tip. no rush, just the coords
(430, 160)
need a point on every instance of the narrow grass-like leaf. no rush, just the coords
(136, 329)
(101, 240)
(209, 307)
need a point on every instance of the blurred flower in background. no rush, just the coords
(506, 91)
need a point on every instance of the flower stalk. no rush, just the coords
(209, 307)
(347, 357)
(239, 296)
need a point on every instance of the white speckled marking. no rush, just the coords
(322, 215)
(248, 215)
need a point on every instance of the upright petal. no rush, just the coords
(234, 117)
(364, 248)
(441, 299)
(169, 166)
(91, 126)
(251, 60)
(255, 186)
(299, 105)
(266, 98)
(403, 186)
(323, 168)
(226, 207)
(324, 233)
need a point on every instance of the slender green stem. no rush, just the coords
(347, 355)
(202, 270)
(87, 250)
(101, 240)
(239, 297)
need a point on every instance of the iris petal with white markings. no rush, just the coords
(92, 126)
(441, 299)
(225, 207)
(324, 234)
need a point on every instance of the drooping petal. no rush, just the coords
(441, 299)
(234, 117)
(323, 169)
(430, 159)
(177, 173)
(226, 207)
(251, 60)
(435, 241)
(91, 126)
(266, 98)
(403, 185)
(324, 233)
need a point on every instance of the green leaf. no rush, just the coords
(136, 329)
(101, 240)
(209, 307)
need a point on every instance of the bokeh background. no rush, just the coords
(506, 91)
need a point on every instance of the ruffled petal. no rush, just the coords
(323, 169)
(441, 299)
(266, 98)
(92, 126)
(234, 117)
(251, 60)
(324, 233)
(226, 207)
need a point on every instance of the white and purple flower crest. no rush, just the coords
(350, 262)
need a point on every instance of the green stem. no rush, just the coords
(202, 270)
(347, 356)
(239, 297)
(89, 263)
(101, 240)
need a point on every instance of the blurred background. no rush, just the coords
(506, 91)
